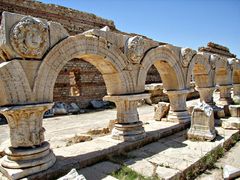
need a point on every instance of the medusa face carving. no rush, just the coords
(29, 38)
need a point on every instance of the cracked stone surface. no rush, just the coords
(231, 158)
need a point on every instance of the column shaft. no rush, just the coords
(178, 108)
(127, 127)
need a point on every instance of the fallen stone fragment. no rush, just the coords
(98, 104)
(230, 172)
(73, 175)
(49, 113)
(73, 108)
(161, 110)
(59, 108)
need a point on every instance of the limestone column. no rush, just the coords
(178, 108)
(28, 152)
(236, 93)
(225, 95)
(127, 126)
(206, 94)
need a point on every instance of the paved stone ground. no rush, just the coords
(232, 157)
(168, 158)
(60, 128)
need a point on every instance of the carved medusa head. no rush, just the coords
(29, 38)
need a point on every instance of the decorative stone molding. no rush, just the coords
(134, 49)
(30, 38)
(127, 127)
(202, 124)
(187, 55)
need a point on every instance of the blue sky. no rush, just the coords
(186, 23)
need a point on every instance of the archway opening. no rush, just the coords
(79, 82)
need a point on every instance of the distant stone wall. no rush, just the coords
(89, 82)
(74, 21)
(79, 82)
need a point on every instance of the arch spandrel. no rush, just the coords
(109, 60)
(15, 87)
(166, 60)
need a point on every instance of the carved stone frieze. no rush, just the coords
(30, 38)
(134, 49)
(187, 55)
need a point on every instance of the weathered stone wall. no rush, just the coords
(79, 82)
(89, 80)
(74, 21)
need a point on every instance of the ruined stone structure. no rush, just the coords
(89, 83)
(33, 51)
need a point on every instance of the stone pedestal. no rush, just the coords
(234, 121)
(127, 127)
(178, 108)
(206, 96)
(28, 152)
(202, 124)
(225, 95)
(236, 93)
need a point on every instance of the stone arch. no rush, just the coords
(109, 60)
(202, 70)
(236, 71)
(166, 62)
(223, 71)
(15, 88)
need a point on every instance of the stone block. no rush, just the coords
(161, 110)
(72, 175)
(230, 172)
(202, 124)
(59, 108)
(234, 110)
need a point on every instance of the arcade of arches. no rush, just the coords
(34, 51)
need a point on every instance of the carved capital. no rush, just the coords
(25, 123)
(134, 49)
(30, 38)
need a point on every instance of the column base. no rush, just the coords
(231, 123)
(128, 132)
(178, 116)
(21, 162)
(201, 134)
